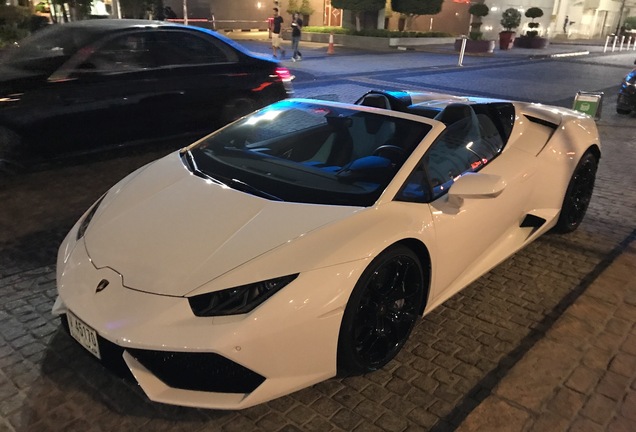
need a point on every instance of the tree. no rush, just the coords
(414, 8)
(533, 12)
(510, 19)
(305, 8)
(292, 7)
(79, 9)
(139, 8)
(358, 7)
(478, 10)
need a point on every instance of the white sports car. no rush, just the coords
(304, 240)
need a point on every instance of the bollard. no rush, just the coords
(629, 42)
(330, 47)
(606, 43)
(614, 43)
(622, 41)
(462, 51)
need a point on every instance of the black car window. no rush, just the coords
(47, 49)
(123, 53)
(466, 145)
(173, 48)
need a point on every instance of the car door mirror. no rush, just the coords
(475, 186)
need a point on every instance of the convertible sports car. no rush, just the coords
(305, 239)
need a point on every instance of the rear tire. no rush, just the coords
(237, 108)
(623, 111)
(381, 312)
(578, 195)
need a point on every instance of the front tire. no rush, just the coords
(623, 111)
(578, 195)
(381, 312)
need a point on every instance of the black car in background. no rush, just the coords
(89, 85)
(626, 102)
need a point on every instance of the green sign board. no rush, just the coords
(588, 103)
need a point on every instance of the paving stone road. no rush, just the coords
(451, 374)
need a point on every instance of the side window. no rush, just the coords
(453, 154)
(174, 48)
(466, 145)
(123, 53)
(416, 188)
(450, 156)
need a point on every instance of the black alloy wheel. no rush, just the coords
(578, 195)
(381, 311)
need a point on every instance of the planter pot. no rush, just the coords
(531, 42)
(476, 46)
(506, 39)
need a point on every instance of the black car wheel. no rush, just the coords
(9, 148)
(578, 195)
(623, 111)
(237, 108)
(381, 311)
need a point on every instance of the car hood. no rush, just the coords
(168, 232)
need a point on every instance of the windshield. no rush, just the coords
(301, 151)
(48, 48)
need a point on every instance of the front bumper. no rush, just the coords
(232, 362)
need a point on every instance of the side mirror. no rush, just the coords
(475, 186)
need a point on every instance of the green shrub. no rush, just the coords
(510, 19)
(17, 22)
(374, 32)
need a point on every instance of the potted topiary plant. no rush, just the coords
(510, 19)
(477, 10)
(531, 39)
(476, 42)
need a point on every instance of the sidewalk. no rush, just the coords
(556, 48)
(581, 376)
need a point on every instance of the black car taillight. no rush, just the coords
(283, 73)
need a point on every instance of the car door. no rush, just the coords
(106, 95)
(205, 72)
(473, 202)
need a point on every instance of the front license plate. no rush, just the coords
(85, 335)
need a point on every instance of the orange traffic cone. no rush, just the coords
(330, 48)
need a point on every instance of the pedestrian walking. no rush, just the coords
(277, 26)
(565, 24)
(297, 26)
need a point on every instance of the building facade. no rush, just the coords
(587, 19)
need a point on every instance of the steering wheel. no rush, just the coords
(391, 152)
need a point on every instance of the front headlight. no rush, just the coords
(81, 230)
(238, 300)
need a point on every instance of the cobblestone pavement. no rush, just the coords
(545, 341)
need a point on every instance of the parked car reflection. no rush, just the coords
(88, 85)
